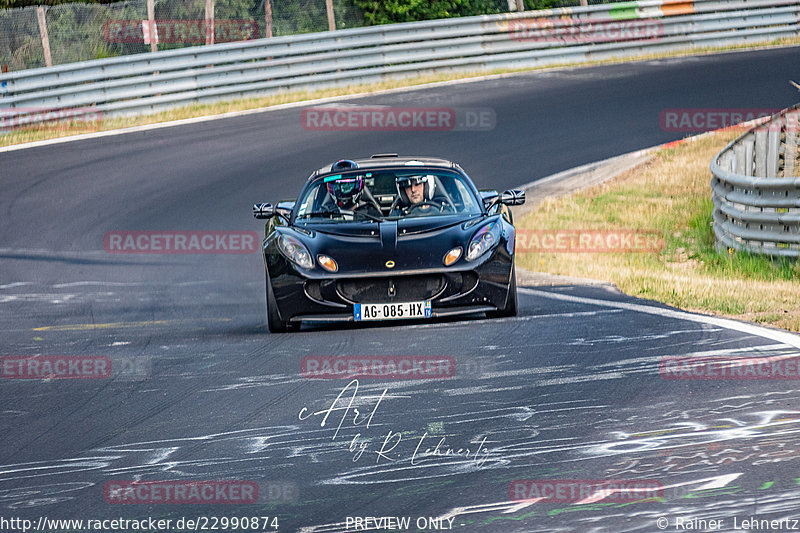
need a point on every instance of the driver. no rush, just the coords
(418, 195)
(347, 192)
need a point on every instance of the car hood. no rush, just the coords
(408, 244)
(405, 226)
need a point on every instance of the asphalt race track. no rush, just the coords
(574, 388)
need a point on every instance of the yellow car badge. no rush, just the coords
(389, 264)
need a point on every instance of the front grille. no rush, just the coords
(391, 289)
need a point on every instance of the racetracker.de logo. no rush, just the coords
(378, 367)
(578, 490)
(569, 30)
(49, 117)
(180, 492)
(386, 118)
(698, 120)
(181, 242)
(55, 367)
(588, 241)
(169, 31)
(729, 368)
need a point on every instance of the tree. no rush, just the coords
(390, 11)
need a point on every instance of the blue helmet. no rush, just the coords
(346, 190)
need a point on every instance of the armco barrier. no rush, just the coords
(756, 189)
(155, 81)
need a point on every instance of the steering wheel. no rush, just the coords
(418, 206)
(441, 206)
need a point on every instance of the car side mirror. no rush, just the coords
(512, 197)
(489, 197)
(285, 208)
(264, 210)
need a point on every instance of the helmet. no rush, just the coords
(344, 164)
(345, 190)
(403, 182)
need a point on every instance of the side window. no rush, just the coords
(459, 194)
(308, 205)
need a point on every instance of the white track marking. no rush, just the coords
(781, 336)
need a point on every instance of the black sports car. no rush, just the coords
(389, 238)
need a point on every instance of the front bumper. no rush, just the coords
(484, 287)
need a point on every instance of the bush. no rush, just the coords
(391, 11)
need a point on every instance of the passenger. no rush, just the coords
(418, 195)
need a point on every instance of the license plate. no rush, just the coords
(393, 311)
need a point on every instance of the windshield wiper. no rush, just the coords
(332, 214)
(328, 214)
(361, 214)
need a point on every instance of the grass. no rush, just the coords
(62, 129)
(670, 194)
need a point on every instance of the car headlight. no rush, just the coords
(327, 263)
(295, 251)
(483, 241)
(452, 256)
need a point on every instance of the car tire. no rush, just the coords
(510, 308)
(274, 322)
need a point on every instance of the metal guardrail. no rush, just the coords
(155, 81)
(756, 189)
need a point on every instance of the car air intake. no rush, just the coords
(391, 289)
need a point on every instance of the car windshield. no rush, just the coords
(375, 196)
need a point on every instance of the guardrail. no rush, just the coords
(756, 189)
(155, 81)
